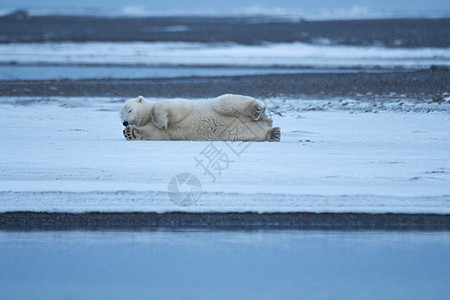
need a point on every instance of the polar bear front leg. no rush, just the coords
(170, 111)
(160, 116)
(131, 133)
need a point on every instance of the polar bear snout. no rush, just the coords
(125, 123)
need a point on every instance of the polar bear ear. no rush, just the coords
(140, 98)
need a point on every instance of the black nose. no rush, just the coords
(125, 123)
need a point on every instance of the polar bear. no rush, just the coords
(225, 118)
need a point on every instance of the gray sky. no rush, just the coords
(305, 4)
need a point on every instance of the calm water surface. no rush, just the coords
(225, 264)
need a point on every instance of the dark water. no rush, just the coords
(43, 72)
(225, 264)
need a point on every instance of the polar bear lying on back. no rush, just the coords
(225, 118)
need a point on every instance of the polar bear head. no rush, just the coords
(137, 112)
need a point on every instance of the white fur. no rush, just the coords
(228, 117)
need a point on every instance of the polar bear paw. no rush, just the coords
(275, 134)
(161, 123)
(131, 133)
(257, 109)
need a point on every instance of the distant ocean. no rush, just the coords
(306, 9)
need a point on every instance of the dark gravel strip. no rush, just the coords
(180, 220)
(419, 84)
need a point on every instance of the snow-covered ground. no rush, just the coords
(69, 155)
(324, 54)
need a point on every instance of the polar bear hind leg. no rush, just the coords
(257, 108)
(131, 133)
(233, 105)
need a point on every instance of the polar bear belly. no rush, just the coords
(205, 123)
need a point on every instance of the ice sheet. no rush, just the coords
(68, 154)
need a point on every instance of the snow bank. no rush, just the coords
(180, 53)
